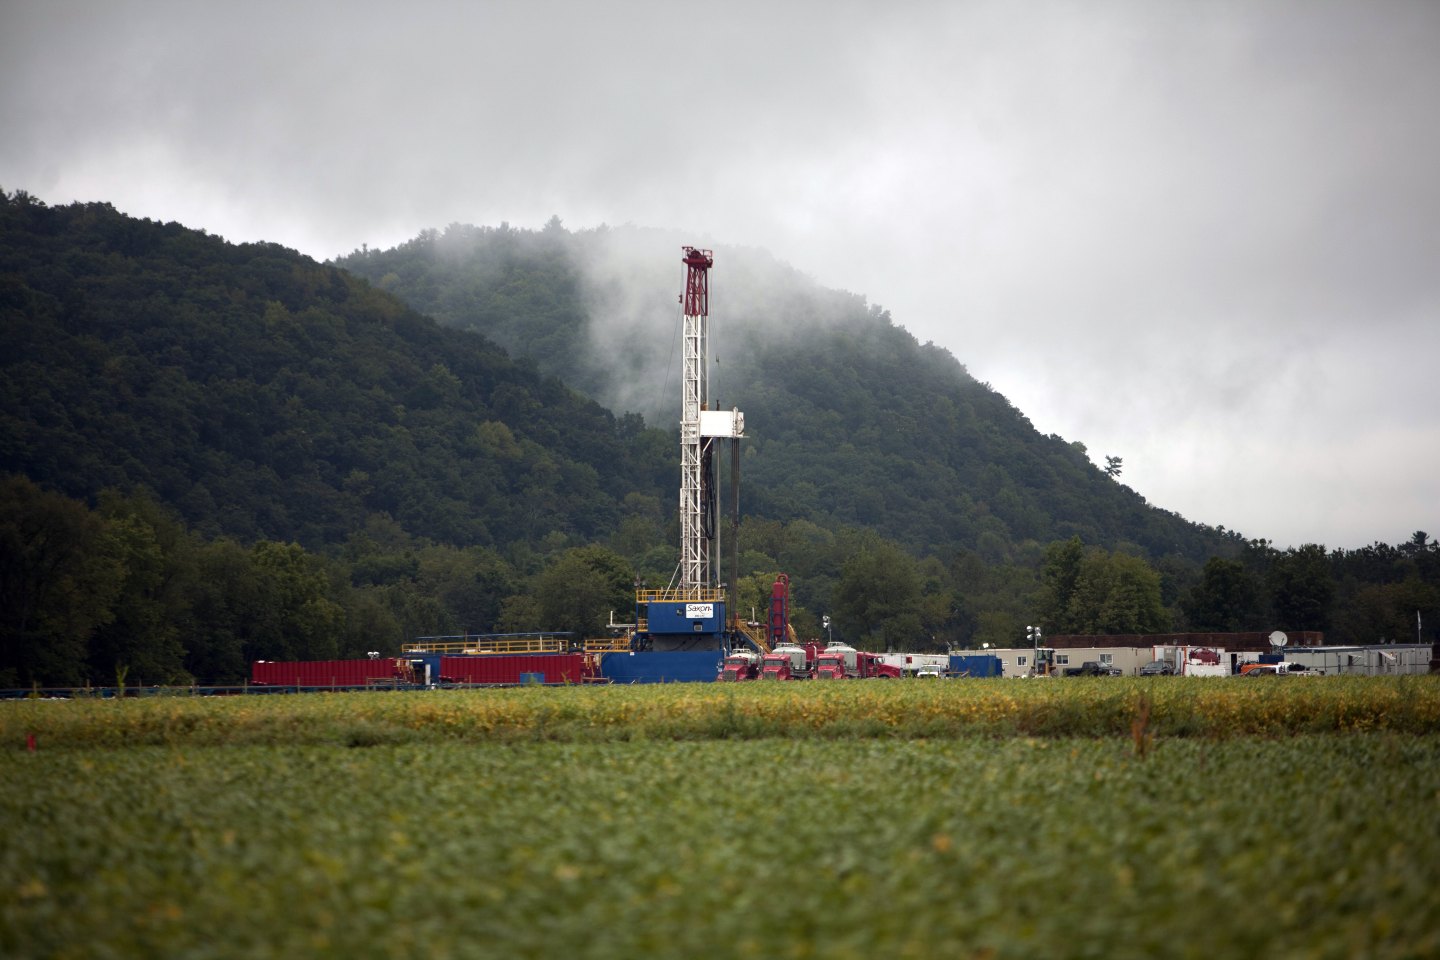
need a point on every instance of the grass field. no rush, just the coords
(921, 819)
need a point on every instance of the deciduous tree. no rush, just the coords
(1095, 591)
(878, 598)
(1301, 588)
(59, 575)
(1224, 599)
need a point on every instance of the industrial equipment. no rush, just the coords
(690, 614)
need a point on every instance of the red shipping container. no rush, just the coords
(502, 668)
(323, 673)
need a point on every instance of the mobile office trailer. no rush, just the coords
(1020, 661)
(1373, 660)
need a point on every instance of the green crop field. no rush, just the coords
(1206, 818)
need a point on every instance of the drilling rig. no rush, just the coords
(690, 612)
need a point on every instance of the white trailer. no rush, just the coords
(1196, 661)
(918, 664)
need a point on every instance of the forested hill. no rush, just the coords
(264, 395)
(346, 473)
(850, 420)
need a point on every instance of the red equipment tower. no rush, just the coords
(779, 611)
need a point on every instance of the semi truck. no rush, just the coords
(790, 661)
(840, 661)
(740, 665)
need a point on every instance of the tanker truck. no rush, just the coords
(790, 661)
(740, 665)
(840, 661)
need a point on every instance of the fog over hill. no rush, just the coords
(850, 419)
(1201, 237)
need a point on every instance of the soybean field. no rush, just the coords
(1170, 817)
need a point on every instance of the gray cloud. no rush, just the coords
(1205, 237)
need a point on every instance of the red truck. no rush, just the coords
(740, 665)
(790, 661)
(840, 661)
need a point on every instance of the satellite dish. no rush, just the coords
(1278, 639)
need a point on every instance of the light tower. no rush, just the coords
(699, 428)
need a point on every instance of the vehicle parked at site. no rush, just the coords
(1093, 668)
(740, 665)
(1157, 668)
(790, 661)
(840, 661)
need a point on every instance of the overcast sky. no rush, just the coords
(1201, 236)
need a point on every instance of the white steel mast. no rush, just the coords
(696, 497)
(699, 428)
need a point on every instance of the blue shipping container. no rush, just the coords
(650, 667)
(975, 665)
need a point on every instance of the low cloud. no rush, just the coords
(1201, 237)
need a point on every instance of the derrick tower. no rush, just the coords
(697, 508)
(691, 612)
(700, 426)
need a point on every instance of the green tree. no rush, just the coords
(297, 619)
(1224, 599)
(1386, 612)
(370, 626)
(999, 628)
(877, 601)
(1059, 577)
(59, 576)
(521, 614)
(417, 613)
(1117, 593)
(1098, 592)
(471, 583)
(1301, 588)
(224, 594)
(577, 592)
(151, 604)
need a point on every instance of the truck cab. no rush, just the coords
(740, 665)
(788, 661)
(840, 661)
(837, 662)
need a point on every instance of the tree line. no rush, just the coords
(123, 589)
(1377, 594)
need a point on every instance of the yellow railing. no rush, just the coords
(607, 645)
(675, 594)
(756, 634)
(477, 646)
